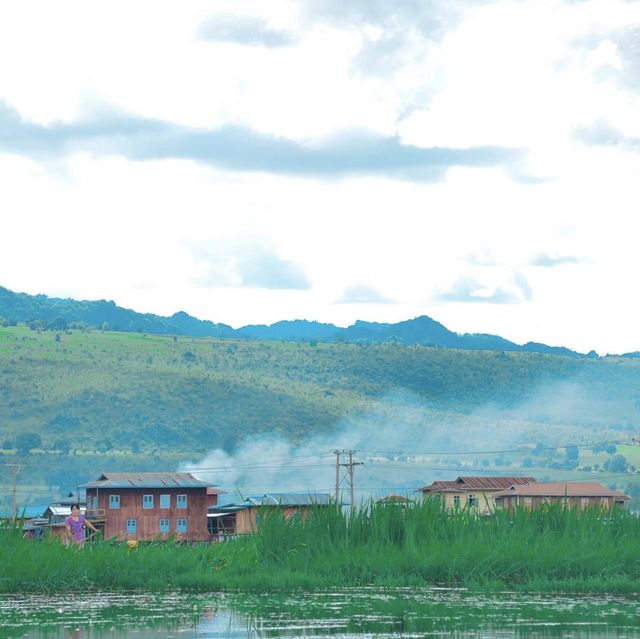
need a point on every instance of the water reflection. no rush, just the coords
(348, 614)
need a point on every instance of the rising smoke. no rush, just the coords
(401, 443)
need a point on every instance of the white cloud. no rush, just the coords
(362, 294)
(546, 77)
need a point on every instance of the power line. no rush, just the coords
(250, 468)
(301, 461)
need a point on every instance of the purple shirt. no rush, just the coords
(77, 527)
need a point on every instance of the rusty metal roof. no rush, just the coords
(146, 480)
(439, 485)
(562, 489)
(475, 483)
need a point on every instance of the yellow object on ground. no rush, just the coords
(132, 543)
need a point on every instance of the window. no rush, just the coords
(181, 526)
(114, 501)
(472, 501)
(456, 501)
(147, 501)
(181, 501)
(164, 525)
(165, 501)
(132, 525)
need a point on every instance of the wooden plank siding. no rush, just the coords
(247, 520)
(131, 507)
(519, 501)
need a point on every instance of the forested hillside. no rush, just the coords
(75, 396)
(41, 312)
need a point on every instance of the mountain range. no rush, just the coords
(46, 312)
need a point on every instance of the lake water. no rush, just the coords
(349, 614)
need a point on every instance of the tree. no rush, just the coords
(57, 324)
(572, 453)
(617, 464)
(25, 442)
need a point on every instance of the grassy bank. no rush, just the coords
(546, 550)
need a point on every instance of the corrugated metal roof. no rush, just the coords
(492, 483)
(562, 489)
(218, 511)
(439, 485)
(146, 480)
(275, 499)
(62, 511)
(290, 499)
(28, 512)
(475, 483)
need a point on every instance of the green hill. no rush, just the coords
(41, 312)
(135, 400)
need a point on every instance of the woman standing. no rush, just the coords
(75, 524)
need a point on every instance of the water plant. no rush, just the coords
(551, 548)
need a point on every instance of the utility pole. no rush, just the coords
(14, 474)
(351, 482)
(337, 454)
(349, 467)
(353, 499)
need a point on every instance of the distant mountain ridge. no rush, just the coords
(57, 313)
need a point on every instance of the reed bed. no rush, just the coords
(548, 549)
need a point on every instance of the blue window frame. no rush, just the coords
(165, 501)
(181, 501)
(132, 525)
(181, 526)
(164, 525)
(147, 501)
(114, 501)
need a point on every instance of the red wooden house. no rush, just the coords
(145, 506)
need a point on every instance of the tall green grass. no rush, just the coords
(551, 549)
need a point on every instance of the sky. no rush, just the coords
(250, 162)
